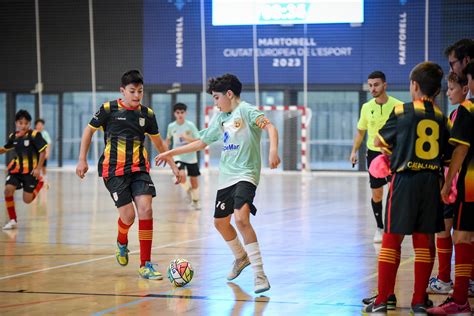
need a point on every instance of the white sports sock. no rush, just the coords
(195, 194)
(236, 246)
(255, 257)
(186, 186)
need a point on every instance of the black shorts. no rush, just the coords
(413, 204)
(192, 168)
(375, 183)
(448, 211)
(463, 219)
(25, 181)
(234, 197)
(124, 188)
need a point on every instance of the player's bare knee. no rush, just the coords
(242, 223)
(461, 237)
(145, 212)
(221, 223)
(128, 219)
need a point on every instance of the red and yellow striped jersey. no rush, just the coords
(417, 134)
(28, 148)
(463, 133)
(124, 136)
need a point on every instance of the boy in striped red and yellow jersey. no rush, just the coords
(124, 165)
(24, 170)
(416, 137)
(462, 137)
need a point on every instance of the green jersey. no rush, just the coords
(240, 155)
(175, 134)
(46, 136)
(373, 116)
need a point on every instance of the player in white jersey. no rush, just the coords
(240, 126)
(182, 132)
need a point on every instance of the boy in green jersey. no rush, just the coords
(180, 133)
(240, 126)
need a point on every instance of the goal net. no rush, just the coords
(292, 122)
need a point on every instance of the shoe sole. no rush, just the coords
(262, 290)
(122, 265)
(239, 272)
(154, 278)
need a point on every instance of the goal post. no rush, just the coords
(277, 115)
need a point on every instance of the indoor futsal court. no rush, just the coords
(317, 249)
(110, 84)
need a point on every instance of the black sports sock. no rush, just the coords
(377, 208)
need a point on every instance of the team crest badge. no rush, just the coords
(141, 121)
(27, 142)
(237, 122)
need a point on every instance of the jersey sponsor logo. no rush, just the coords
(230, 147)
(413, 165)
(26, 142)
(226, 137)
(121, 118)
(141, 121)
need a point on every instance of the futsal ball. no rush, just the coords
(180, 272)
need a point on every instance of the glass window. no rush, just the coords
(3, 123)
(190, 99)
(161, 104)
(50, 116)
(332, 128)
(77, 113)
(26, 102)
(403, 96)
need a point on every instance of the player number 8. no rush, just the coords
(423, 138)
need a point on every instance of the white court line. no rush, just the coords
(132, 252)
(96, 259)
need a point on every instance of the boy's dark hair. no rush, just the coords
(453, 77)
(131, 76)
(225, 83)
(377, 75)
(461, 49)
(22, 114)
(180, 107)
(428, 75)
(469, 69)
(39, 120)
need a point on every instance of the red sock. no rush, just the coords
(10, 204)
(424, 261)
(123, 228)
(444, 246)
(462, 272)
(472, 269)
(388, 265)
(38, 188)
(397, 264)
(145, 235)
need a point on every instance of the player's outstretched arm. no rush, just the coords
(273, 159)
(164, 157)
(82, 166)
(2, 150)
(161, 146)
